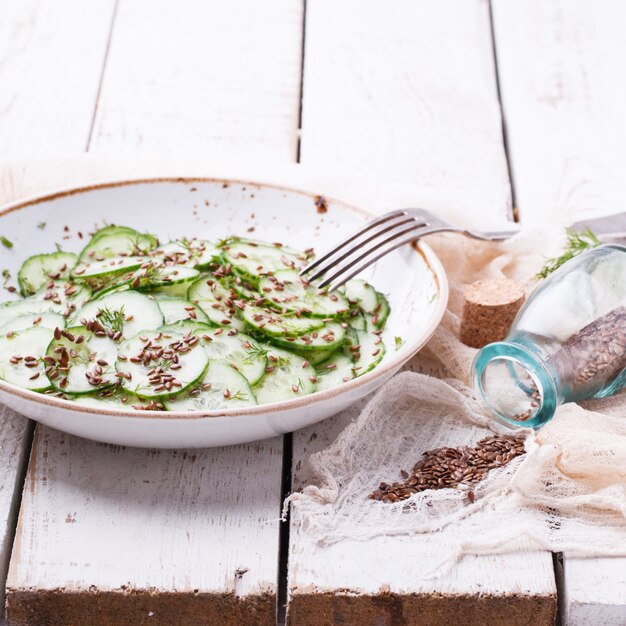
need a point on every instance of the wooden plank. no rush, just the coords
(115, 535)
(219, 78)
(559, 62)
(595, 592)
(406, 91)
(51, 57)
(178, 541)
(385, 581)
(15, 435)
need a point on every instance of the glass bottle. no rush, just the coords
(567, 343)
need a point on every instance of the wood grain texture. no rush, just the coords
(560, 64)
(51, 58)
(203, 77)
(15, 435)
(115, 535)
(386, 581)
(406, 91)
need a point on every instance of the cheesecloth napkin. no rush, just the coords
(567, 493)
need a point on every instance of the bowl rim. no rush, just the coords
(428, 255)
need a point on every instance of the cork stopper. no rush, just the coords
(489, 308)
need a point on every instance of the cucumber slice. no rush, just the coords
(222, 387)
(217, 301)
(117, 241)
(328, 338)
(288, 376)
(30, 320)
(337, 370)
(156, 364)
(185, 326)
(10, 311)
(179, 309)
(39, 269)
(290, 292)
(103, 274)
(80, 362)
(379, 319)
(316, 357)
(357, 320)
(367, 352)
(363, 294)
(244, 353)
(274, 324)
(21, 358)
(255, 258)
(172, 280)
(196, 253)
(125, 312)
(119, 399)
(62, 296)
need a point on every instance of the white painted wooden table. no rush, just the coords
(447, 103)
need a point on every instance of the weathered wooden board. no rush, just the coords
(114, 535)
(220, 78)
(166, 537)
(15, 436)
(51, 59)
(560, 66)
(407, 92)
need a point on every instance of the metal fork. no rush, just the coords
(378, 238)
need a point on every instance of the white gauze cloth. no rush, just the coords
(567, 493)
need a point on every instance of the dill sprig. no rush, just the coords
(255, 352)
(577, 242)
(112, 320)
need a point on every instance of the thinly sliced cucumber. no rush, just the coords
(362, 293)
(255, 258)
(62, 296)
(379, 318)
(329, 338)
(171, 280)
(179, 309)
(185, 326)
(48, 319)
(357, 320)
(276, 325)
(288, 376)
(101, 274)
(81, 362)
(316, 357)
(39, 269)
(244, 289)
(10, 311)
(217, 301)
(290, 292)
(119, 399)
(222, 387)
(156, 364)
(117, 242)
(196, 253)
(246, 354)
(337, 370)
(21, 358)
(127, 312)
(367, 353)
(112, 229)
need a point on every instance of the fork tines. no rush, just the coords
(357, 252)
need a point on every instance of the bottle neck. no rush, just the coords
(516, 385)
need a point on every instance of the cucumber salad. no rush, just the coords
(188, 325)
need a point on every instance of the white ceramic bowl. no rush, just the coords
(412, 278)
